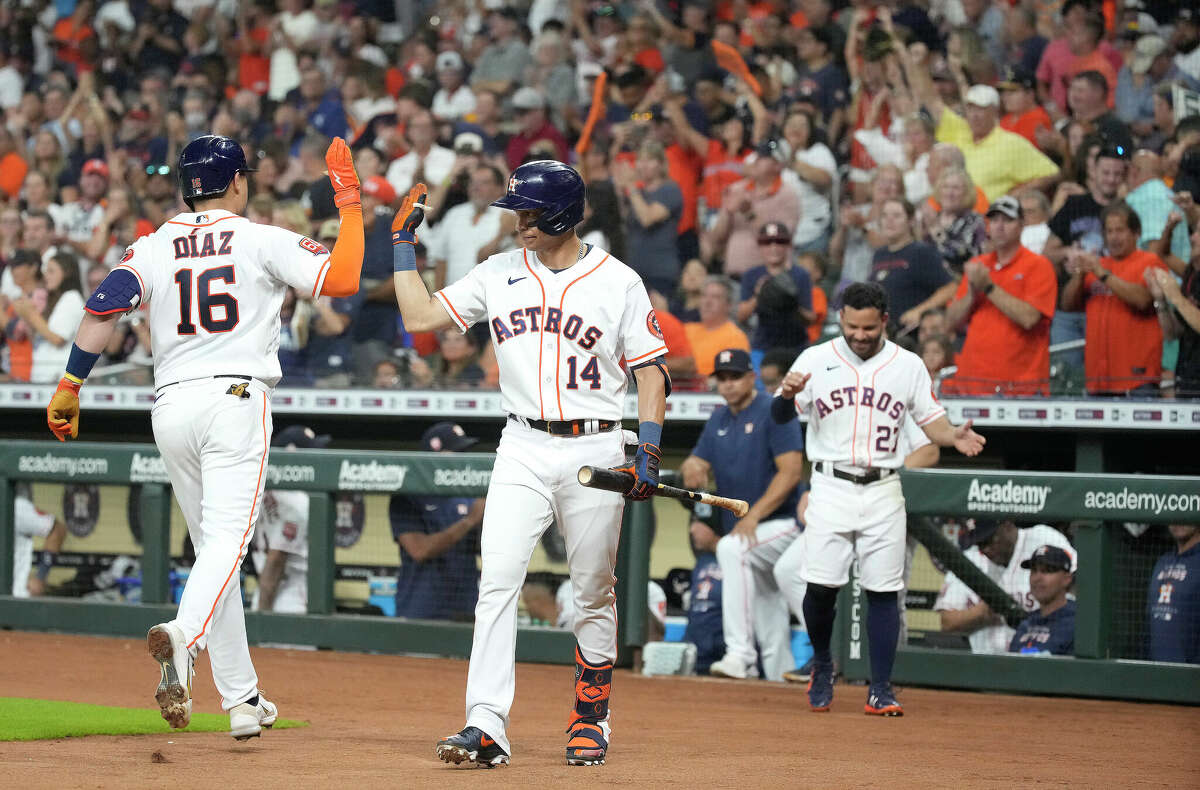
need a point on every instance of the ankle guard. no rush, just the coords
(593, 684)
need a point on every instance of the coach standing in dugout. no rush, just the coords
(752, 458)
(1173, 599)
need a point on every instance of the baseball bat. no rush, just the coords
(620, 481)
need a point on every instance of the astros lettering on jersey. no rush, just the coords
(573, 328)
(857, 408)
(204, 274)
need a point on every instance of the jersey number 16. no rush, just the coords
(206, 300)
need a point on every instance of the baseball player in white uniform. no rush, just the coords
(998, 548)
(857, 391)
(214, 282)
(30, 523)
(566, 321)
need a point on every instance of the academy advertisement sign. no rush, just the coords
(1006, 497)
(371, 476)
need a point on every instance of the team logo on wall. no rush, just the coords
(652, 325)
(349, 512)
(81, 508)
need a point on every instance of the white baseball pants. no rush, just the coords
(752, 604)
(533, 484)
(215, 446)
(846, 519)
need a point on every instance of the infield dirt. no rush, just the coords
(374, 720)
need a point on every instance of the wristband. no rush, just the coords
(987, 289)
(80, 363)
(404, 254)
(44, 565)
(649, 432)
(1104, 277)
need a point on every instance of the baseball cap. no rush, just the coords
(1188, 15)
(774, 231)
(24, 258)
(1017, 78)
(1143, 24)
(1145, 51)
(978, 531)
(777, 149)
(449, 60)
(733, 360)
(468, 142)
(1113, 151)
(1008, 205)
(446, 436)
(379, 188)
(299, 436)
(1051, 556)
(97, 166)
(528, 98)
(983, 96)
(329, 229)
(634, 75)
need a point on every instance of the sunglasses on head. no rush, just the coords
(769, 242)
(158, 170)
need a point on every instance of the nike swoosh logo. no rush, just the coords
(431, 507)
(722, 431)
(511, 281)
(833, 367)
(486, 741)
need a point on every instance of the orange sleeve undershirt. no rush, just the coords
(345, 262)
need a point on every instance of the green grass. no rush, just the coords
(39, 719)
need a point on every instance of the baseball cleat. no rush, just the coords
(733, 667)
(471, 745)
(174, 693)
(881, 701)
(248, 721)
(586, 744)
(820, 687)
(801, 675)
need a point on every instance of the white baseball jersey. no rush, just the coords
(283, 526)
(29, 523)
(215, 283)
(1012, 578)
(857, 409)
(561, 338)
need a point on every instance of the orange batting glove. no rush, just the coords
(410, 215)
(62, 415)
(341, 174)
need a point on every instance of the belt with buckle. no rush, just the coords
(567, 427)
(872, 475)
(199, 378)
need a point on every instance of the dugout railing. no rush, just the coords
(321, 473)
(1099, 505)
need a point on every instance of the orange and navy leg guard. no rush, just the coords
(587, 743)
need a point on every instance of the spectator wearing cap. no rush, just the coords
(715, 331)
(503, 62)
(1022, 112)
(1005, 302)
(1051, 629)
(76, 221)
(534, 127)
(1080, 47)
(777, 296)
(472, 231)
(751, 457)
(1124, 339)
(438, 538)
(1185, 40)
(454, 99)
(1149, 66)
(375, 328)
(280, 545)
(632, 83)
(426, 162)
(1173, 599)
(1153, 201)
(484, 123)
(911, 272)
(998, 160)
(762, 197)
(998, 548)
(652, 204)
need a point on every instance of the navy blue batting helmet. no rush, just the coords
(551, 186)
(207, 166)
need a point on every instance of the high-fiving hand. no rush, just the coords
(341, 173)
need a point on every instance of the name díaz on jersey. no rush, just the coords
(1008, 497)
(371, 476)
(529, 319)
(866, 397)
(193, 247)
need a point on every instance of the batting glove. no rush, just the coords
(341, 174)
(645, 463)
(410, 216)
(62, 415)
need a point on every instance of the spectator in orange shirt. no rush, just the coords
(1022, 113)
(715, 330)
(1005, 301)
(12, 167)
(71, 31)
(1124, 339)
(680, 363)
(22, 273)
(816, 266)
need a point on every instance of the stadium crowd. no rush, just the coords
(1015, 173)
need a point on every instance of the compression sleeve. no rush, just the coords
(783, 409)
(345, 262)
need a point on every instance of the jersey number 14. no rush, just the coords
(206, 300)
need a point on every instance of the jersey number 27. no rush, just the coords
(206, 300)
